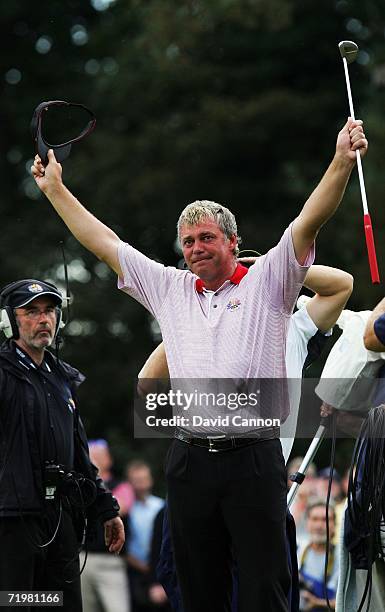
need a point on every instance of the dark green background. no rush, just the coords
(238, 101)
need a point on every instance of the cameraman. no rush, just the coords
(49, 488)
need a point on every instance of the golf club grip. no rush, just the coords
(371, 249)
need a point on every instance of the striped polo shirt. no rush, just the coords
(237, 332)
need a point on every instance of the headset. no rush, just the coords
(8, 323)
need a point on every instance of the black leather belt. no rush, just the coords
(218, 444)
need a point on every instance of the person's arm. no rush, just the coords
(91, 233)
(327, 196)
(155, 369)
(376, 320)
(316, 602)
(156, 365)
(332, 288)
(137, 564)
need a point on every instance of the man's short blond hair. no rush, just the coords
(200, 210)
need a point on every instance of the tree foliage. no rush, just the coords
(238, 101)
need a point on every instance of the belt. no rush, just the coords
(219, 444)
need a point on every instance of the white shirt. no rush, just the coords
(348, 378)
(239, 333)
(301, 329)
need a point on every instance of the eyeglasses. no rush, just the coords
(35, 313)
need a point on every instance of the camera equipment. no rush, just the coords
(53, 474)
(80, 491)
(364, 519)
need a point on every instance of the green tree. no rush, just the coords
(237, 101)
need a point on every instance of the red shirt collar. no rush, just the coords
(239, 272)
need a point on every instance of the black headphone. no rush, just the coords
(8, 323)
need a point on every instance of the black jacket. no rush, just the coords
(28, 434)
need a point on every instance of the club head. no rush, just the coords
(348, 50)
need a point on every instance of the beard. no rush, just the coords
(40, 340)
(318, 538)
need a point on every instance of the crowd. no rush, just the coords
(128, 582)
(309, 512)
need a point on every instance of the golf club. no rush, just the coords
(349, 51)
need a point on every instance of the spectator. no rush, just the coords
(312, 560)
(122, 490)
(323, 483)
(306, 491)
(105, 587)
(341, 505)
(141, 525)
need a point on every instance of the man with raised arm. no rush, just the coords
(219, 320)
(316, 316)
(309, 329)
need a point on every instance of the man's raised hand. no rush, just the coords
(48, 177)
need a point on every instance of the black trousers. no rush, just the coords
(223, 507)
(25, 567)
